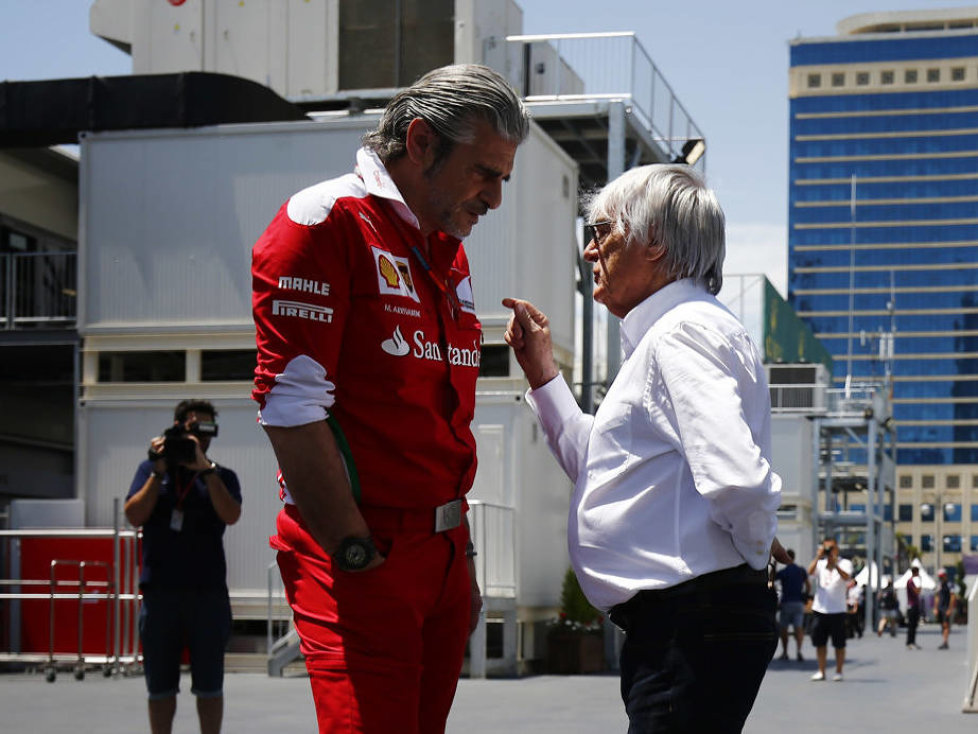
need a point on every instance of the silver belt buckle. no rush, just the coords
(448, 516)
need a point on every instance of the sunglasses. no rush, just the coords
(597, 231)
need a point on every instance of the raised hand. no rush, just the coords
(528, 334)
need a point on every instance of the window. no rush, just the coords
(974, 513)
(814, 81)
(926, 543)
(906, 481)
(910, 76)
(494, 361)
(953, 481)
(886, 77)
(862, 78)
(974, 481)
(974, 542)
(927, 513)
(933, 75)
(952, 543)
(905, 513)
(225, 365)
(13, 241)
(952, 512)
(957, 74)
(838, 79)
(927, 481)
(142, 366)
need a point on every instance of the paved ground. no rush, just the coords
(887, 689)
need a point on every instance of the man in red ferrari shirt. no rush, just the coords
(368, 354)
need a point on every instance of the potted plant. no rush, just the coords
(575, 639)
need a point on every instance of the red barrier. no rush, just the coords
(36, 557)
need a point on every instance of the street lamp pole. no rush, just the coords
(938, 506)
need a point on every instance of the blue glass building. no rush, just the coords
(883, 230)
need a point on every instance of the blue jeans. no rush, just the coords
(694, 656)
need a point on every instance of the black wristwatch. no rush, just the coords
(354, 554)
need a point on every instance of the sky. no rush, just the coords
(726, 61)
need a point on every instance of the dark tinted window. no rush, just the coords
(227, 364)
(142, 366)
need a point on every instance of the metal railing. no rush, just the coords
(589, 66)
(120, 592)
(38, 289)
(493, 529)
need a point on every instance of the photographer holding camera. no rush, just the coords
(832, 577)
(183, 501)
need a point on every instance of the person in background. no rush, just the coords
(795, 588)
(368, 356)
(673, 516)
(832, 575)
(855, 609)
(944, 603)
(913, 607)
(183, 501)
(889, 610)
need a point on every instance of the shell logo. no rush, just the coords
(389, 273)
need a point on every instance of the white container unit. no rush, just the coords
(169, 218)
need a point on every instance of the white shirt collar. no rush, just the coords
(379, 183)
(640, 319)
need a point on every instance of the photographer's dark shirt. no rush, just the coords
(192, 557)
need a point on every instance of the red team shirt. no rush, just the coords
(352, 322)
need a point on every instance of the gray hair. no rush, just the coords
(668, 205)
(452, 99)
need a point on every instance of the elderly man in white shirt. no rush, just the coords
(673, 517)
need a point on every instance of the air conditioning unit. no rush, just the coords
(798, 387)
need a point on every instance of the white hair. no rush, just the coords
(668, 205)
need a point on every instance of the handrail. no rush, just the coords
(493, 529)
(119, 590)
(530, 38)
(573, 66)
(38, 289)
(67, 533)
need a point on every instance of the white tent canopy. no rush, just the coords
(927, 582)
(862, 578)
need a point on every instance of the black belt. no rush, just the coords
(738, 575)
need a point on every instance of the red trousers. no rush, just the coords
(384, 647)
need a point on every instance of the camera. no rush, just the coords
(178, 447)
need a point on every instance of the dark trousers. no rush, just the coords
(694, 655)
(913, 619)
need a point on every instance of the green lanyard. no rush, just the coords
(347, 454)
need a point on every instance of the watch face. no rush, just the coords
(356, 556)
